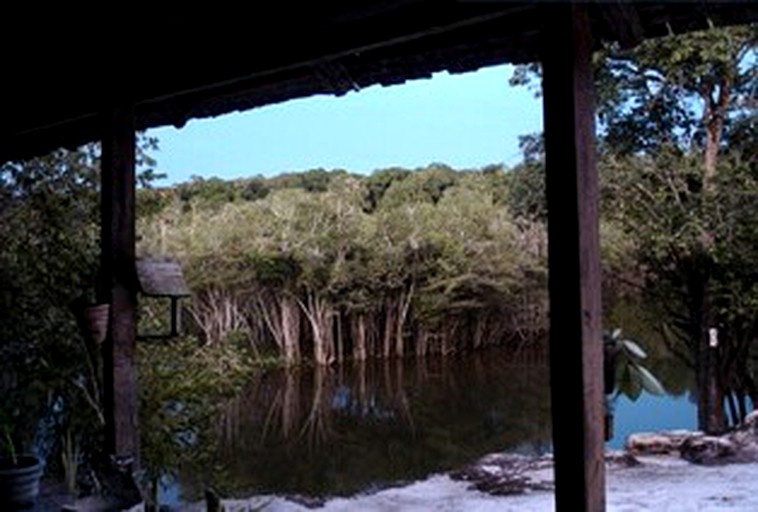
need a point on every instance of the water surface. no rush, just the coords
(342, 430)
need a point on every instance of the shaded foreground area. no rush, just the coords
(659, 484)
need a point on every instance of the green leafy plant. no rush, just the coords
(624, 374)
(631, 377)
(8, 442)
(70, 459)
(22, 400)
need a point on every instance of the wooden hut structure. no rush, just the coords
(76, 76)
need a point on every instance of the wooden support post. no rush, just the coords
(119, 286)
(576, 350)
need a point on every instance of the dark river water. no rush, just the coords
(337, 431)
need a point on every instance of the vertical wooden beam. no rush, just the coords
(576, 352)
(119, 286)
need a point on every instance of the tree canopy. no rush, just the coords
(677, 156)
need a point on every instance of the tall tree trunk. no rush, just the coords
(422, 342)
(389, 327)
(373, 333)
(714, 116)
(404, 304)
(712, 142)
(359, 336)
(218, 313)
(281, 316)
(340, 338)
(480, 323)
(320, 316)
(290, 329)
(711, 414)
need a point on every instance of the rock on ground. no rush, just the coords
(737, 446)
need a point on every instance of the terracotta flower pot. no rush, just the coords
(95, 323)
(19, 483)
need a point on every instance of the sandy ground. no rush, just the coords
(660, 484)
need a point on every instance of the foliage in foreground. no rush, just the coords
(50, 376)
(48, 238)
(182, 389)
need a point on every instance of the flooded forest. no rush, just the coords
(369, 292)
(328, 266)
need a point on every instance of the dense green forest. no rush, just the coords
(328, 265)
(325, 266)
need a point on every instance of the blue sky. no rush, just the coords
(466, 121)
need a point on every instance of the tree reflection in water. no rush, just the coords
(340, 430)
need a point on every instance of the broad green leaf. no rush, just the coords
(649, 382)
(634, 349)
(633, 384)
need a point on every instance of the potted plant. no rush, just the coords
(24, 400)
(19, 472)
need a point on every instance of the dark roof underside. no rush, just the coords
(194, 65)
